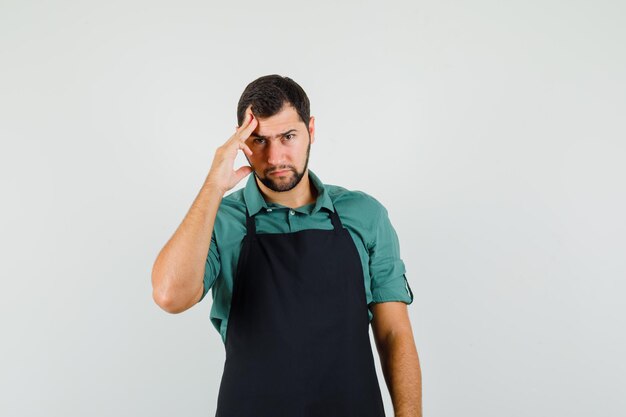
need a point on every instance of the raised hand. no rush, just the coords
(222, 174)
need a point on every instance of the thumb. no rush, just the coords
(242, 172)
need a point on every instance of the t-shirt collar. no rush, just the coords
(255, 202)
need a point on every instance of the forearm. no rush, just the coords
(401, 368)
(179, 268)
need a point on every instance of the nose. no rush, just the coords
(274, 153)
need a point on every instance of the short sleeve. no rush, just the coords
(211, 267)
(387, 270)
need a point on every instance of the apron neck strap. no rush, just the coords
(251, 227)
(250, 224)
(334, 217)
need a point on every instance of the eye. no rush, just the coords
(289, 136)
(259, 141)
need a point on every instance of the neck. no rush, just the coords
(302, 194)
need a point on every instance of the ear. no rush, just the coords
(312, 128)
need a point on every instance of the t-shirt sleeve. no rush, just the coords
(211, 267)
(387, 270)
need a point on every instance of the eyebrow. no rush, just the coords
(278, 135)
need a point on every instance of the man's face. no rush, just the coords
(280, 145)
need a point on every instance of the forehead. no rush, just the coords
(286, 118)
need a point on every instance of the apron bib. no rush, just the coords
(297, 341)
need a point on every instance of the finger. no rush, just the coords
(242, 172)
(247, 131)
(245, 148)
(247, 118)
(242, 136)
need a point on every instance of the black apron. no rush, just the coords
(297, 341)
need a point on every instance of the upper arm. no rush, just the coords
(387, 270)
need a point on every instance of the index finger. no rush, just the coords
(247, 117)
(247, 127)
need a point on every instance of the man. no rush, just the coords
(298, 270)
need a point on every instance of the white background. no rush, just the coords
(493, 131)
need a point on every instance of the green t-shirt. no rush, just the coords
(365, 218)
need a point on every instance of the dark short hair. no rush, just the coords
(269, 93)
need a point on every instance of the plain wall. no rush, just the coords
(493, 132)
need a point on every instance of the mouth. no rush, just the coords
(281, 172)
